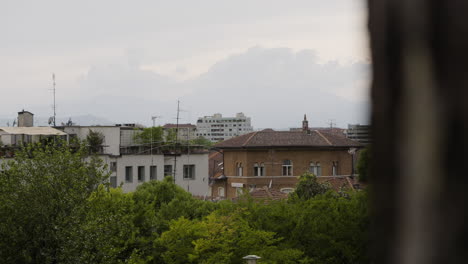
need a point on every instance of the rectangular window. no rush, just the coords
(113, 166)
(141, 173)
(113, 181)
(153, 172)
(189, 172)
(167, 170)
(129, 174)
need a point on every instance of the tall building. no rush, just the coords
(360, 133)
(218, 128)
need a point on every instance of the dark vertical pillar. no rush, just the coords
(420, 123)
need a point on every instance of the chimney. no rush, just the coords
(25, 119)
(305, 125)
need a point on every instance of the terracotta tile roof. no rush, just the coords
(337, 183)
(180, 126)
(266, 194)
(269, 138)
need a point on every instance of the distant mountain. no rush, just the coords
(82, 120)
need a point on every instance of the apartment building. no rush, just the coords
(132, 164)
(360, 133)
(218, 128)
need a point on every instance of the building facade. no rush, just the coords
(360, 133)
(132, 164)
(218, 128)
(185, 131)
(275, 159)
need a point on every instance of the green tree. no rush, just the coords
(148, 135)
(95, 141)
(308, 187)
(171, 135)
(42, 192)
(201, 141)
(107, 232)
(363, 164)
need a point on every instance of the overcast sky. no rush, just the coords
(125, 61)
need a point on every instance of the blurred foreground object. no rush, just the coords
(420, 122)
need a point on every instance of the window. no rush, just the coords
(153, 172)
(113, 181)
(141, 173)
(335, 168)
(167, 170)
(189, 172)
(113, 166)
(221, 191)
(312, 168)
(259, 170)
(287, 168)
(239, 169)
(315, 168)
(129, 174)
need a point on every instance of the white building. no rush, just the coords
(132, 164)
(218, 128)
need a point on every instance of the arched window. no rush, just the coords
(259, 170)
(221, 191)
(319, 169)
(313, 168)
(287, 168)
(239, 169)
(335, 168)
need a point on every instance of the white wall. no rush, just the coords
(111, 136)
(197, 186)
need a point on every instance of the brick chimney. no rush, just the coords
(305, 125)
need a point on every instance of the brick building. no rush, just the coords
(276, 158)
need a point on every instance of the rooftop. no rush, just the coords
(32, 131)
(270, 138)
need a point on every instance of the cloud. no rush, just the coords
(274, 86)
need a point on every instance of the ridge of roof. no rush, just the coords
(247, 141)
(326, 139)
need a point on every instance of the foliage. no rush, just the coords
(53, 210)
(201, 141)
(107, 232)
(363, 165)
(171, 135)
(95, 140)
(43, 192)
(308, 187)
(148, 135)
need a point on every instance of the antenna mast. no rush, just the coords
(53, 81)
(176, 140)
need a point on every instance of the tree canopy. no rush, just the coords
(56, 207)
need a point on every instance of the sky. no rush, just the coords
(125, 61)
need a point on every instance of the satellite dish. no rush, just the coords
(14, 122)
(51, 120)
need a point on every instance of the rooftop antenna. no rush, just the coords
(331, 122)
(176, 139)
(151, 141)
(54, 106)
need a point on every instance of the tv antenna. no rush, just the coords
(332, 122)
(52, 118)
(151, 141)
(176, 140)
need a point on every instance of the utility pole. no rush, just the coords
(176, 141)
